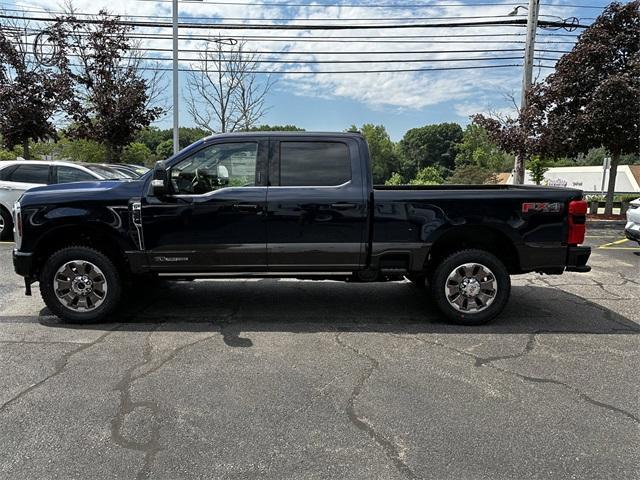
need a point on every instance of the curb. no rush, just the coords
(596, 224)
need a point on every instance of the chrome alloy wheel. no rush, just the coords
(471, 287)
(2, 224)
(80, 285)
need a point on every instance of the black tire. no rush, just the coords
(112, 280)
(449, 266)
(6, 225)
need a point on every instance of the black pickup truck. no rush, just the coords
(291, 205)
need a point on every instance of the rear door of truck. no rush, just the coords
(316, 204)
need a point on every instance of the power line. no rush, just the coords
(315, 52)
(314, 62)
(249, 19)
(334, 72)
(376, 5)
(342, 52)
(232, 26)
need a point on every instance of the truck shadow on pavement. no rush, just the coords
(239, 307)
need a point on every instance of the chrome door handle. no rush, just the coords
(246, 207)
(3, 187)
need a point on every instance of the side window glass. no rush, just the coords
(31, 174)
(214, 167)
(70, 174)
(314, 164)
(5, 173)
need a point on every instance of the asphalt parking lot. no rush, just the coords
(323, 380)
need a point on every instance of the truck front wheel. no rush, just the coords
(471, 287)
(80, 284)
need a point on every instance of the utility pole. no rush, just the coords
(527, 76)
(176, 117)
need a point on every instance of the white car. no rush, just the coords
(632, 228)
(18, 176)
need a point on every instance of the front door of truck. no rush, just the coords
(214, 219)
(317, 205)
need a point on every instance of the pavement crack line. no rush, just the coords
(59, 366)
(151, 447)
(486, 362)
(393, 451)
(126, 406)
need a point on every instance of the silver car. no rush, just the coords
(632, 228)
(18, 176)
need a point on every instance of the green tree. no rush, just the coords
(9, 154)
(165, 149)
(471, 175)
(136, 153)
(81, 150)
(476, 148)
(395, 179)
(428, 176)
(189, 135)
(152, 137)
(428, 146)
(276, 128)
(537, 169)
(384, 160)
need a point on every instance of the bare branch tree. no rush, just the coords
(223, 92)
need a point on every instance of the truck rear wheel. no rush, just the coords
(80, 285)
(471, 287)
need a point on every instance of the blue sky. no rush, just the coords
(398, 100)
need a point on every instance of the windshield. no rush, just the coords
(107, 173)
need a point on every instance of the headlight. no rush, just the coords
(17, 224)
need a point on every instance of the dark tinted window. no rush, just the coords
(30, 174)
(70, 174)
(5, 172)
(314, 163)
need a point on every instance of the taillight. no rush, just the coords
(577, 222)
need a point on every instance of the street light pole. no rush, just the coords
(527, 75)
(176, 117)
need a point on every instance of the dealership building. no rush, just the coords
(589, 179)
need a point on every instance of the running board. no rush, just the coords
(393, 271)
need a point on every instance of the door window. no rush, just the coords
(70, 174)
(216, 166)
(314, 164)
(30, 174)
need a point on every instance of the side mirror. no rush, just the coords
(160, 180)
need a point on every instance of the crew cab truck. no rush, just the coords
(291, 205)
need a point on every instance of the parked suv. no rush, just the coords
(632, 228)
(18, 176)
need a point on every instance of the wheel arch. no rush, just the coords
(481, 237)
(92, 236)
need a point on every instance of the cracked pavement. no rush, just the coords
(296, 380)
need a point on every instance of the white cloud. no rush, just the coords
(398, 90)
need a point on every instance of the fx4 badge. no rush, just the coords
(545, 207)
